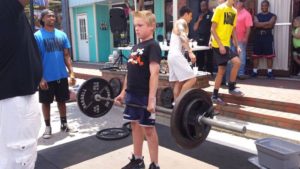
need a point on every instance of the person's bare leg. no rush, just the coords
(62, 109)
(188, 84)
(219, 76)
(137, 138)
(236, 63)
(46, 111)
(152, 140)
(177, 89)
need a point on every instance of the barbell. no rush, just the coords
(191, 117)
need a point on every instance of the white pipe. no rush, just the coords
(175, 10)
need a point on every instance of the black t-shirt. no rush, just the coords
(20, 62)
(205, 25)
(138, 66)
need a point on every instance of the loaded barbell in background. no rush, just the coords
(191, 117)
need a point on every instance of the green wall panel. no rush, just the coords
(104, 36)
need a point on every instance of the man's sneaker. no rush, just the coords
(236, 92)
(254, 75)
(66, 128)
(153, 166)
(270, 75)
(218, 100)
(135, 164)
(47, 133)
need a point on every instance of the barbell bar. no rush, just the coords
(191, 117)
(201, 119)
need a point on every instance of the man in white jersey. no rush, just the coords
(180, 71)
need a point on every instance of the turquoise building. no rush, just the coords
(92, 38)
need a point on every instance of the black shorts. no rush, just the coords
(221, 60)
(141, 115)
(58, 89)
(263, 46)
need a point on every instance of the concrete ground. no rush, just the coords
(83, 150)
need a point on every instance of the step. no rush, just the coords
(262, 116)
(279, 95)
(262, 103)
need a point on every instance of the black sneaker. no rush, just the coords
(135, 164)
(153, 166)
(66, 128)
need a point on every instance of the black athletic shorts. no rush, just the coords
(58, 89)
(142, 116)
(223, 59)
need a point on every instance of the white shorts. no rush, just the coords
(179, 68)
(20, 121)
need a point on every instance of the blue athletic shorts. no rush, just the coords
(141, 115)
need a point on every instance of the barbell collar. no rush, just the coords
(223, 125)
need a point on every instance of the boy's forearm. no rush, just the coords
(124, 85)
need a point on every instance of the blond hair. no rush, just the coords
(147, 16)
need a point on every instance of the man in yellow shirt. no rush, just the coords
(223, 29)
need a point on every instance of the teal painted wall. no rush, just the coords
(88, 10)
(104, 36)
(159, 11)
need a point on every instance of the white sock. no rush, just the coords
(255, 70)
(269, 70)
(138, 157)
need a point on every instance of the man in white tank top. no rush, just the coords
(180, 71)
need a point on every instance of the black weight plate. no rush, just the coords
(116, 86)
(127, 125)
(195, 109)
(178, 127)
(167, 97)
(112, 133)
(87, 99)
